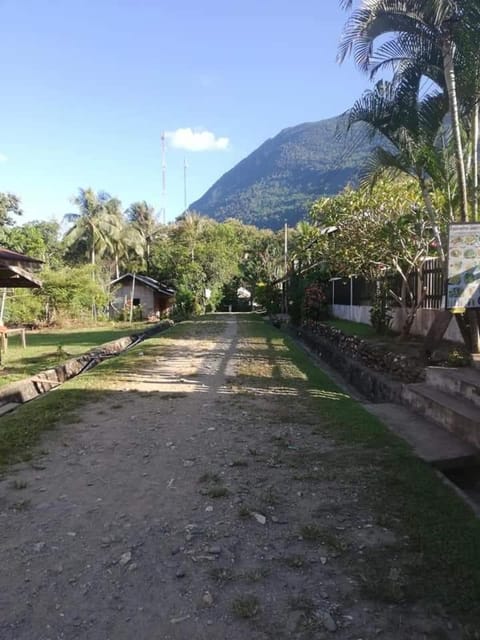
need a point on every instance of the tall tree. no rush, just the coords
(399, 33)
(411, 128)
(143, 220)
(94, 225)
(9, 205)
(191, 226)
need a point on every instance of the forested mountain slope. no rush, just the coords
(280, 179)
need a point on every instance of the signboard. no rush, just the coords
(463, 284)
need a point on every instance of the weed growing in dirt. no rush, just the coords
(19, 484)
(301, 603)
(22, 505)
(217, 492)
(221, 575)
(311, 533)
(326, 537)
(270, 497)
(295, 562)
(255, 575)
(239, 463)
(280, 441)
(209, 477)
(246, 606)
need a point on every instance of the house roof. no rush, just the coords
(6, 255)
(13, 277)
(13, 270)
(148, 282)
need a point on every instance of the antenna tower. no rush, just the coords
(163, 209)
(185, 167)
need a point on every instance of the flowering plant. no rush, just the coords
(315, 301)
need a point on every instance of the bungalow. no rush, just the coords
(153, 298)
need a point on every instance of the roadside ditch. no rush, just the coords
(17, 393)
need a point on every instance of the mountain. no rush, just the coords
(280, 179)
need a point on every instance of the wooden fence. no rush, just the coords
(359, 291)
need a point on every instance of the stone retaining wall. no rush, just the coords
(363, 364)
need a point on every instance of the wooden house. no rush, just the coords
(149, 297)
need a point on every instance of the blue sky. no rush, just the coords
(89, 85)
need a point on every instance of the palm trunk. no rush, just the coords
(475, 161)
(448, 51)
(433, 220)
(446, 161)
(94, 306)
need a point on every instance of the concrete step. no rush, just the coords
(429, 441)
(462, 381)
(457, 415)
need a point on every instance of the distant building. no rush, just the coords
(149, 297)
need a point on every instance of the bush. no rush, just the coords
(69, 293)
(23, 307)
(315, 303)
(458, 358)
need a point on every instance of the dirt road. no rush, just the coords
(179, 507)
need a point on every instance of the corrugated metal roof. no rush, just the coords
(13, 276)
(14, 256)
(148, 282)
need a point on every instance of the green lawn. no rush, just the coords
(49, 347)
(352, 328)
(20, 431)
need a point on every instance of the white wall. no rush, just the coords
(420, 327)
(356, 313)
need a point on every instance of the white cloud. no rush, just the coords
(3, 157)
(196, 140)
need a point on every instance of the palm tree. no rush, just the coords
(125, 240)
(191, 226)
(143, 221)
(94, 225)
(428, 34)
(412, 129)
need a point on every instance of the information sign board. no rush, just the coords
(463, 284)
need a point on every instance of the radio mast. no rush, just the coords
(163, 209)
(185, 167)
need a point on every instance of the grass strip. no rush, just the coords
(50, 347)
(439, 533)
